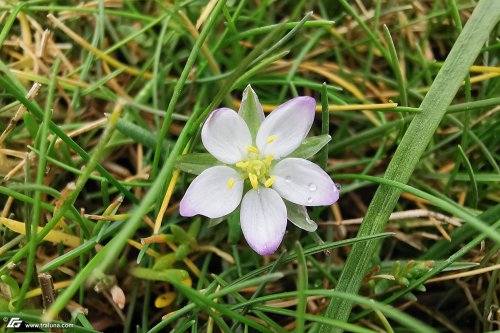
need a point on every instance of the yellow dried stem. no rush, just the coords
(53, 236)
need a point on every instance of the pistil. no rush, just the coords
(256, 169)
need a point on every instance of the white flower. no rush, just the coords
(258, 163)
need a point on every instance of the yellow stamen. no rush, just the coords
(271, 138)
(252, 149)
(242, 165)
(269, 182)
(253, 181)
(230, 183)
(269, 159)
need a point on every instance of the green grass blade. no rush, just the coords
(302, 285)
(413, 144)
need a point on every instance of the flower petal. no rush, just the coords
(226, 135)
(304, 183)
(214, 193)
(286, 127)
(251, 110)
(263, 220)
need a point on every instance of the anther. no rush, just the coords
(252, 149)
(271, 138)
(269, 182)
(253, 180)
(269, 159)
(242, 165)
(230, 183)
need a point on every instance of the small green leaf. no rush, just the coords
(164, 262)
(421, 288)
(410, 297)
(181, 236)
(213, 222)
(194, 228)
(182, 252)
(167, 275)
(311, 146)
(196, 163)
(381, 287)
(297, 214)
(251, 110)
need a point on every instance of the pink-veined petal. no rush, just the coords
(304, 183)
(263, 220)
(214, 193)
(226, 135)
(286, 127)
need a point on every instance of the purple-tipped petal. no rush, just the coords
(226, 135)
(214, 193)
(304, 183)
(286, 127)
(263, 220)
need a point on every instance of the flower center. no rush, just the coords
(256, 168)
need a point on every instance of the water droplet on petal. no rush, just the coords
(288, 179)
(310, 199)
(312, 187)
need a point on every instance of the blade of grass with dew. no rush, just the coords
(413, 144)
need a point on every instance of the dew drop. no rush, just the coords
(288, 179)
(312, 187)
(310, 199)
